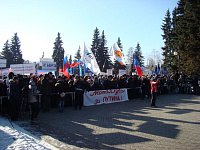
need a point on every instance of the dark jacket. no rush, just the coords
(46, 87)
(60, 87)
(78, 85)
(15, 93)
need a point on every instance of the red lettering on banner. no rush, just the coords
(105, 99)
(97, 101)
(116, 92)
(112, 98)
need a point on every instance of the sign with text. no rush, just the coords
(50, 66)
(122, 72)
(46, 60)
(2, 63)
(42, 72)
(23, 68)
(105, 96)
(109, 72)
(4, 72)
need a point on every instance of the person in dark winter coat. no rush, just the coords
(86, 84)
(15, 99)
(108, 83)
(3, 92)
(46, 91)
(78, 85)
(60, 88)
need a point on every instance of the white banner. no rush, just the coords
(51, 66)
(23, 68)
(4, 72)
(109, 72)
(105, 96)
(122, 72)
(2, 63)
(46, 60)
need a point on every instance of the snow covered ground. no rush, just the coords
(18, 138)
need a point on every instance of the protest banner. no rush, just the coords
(23, 68)
(105, 96)
(50, 66)
(2, 63)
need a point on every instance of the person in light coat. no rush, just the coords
(33, 100)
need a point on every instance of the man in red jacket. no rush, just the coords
(154, 90)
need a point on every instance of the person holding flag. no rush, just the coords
(154, 91)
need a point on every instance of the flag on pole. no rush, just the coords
(65, 67)
(167, 72)
(80, 70)
(137, 67)
(117, 53)
(89, 60)
(158, 69)
(162, 70)
(84, 71)
(152, 69)
(78, 62)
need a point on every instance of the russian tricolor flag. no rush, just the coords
(78, 62)
(137, 67)
(65, 67)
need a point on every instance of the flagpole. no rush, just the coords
(104, 65)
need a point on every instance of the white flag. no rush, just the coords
(115, 50)
(89, 60)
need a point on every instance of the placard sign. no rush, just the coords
(122, 72)
(109, 72)
(50, 66)
(23, 68)
(2, 63)
(46, 60)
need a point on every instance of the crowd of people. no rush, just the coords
(22, 92)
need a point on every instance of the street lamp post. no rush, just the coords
(177, 54)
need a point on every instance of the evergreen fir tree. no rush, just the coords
(95, 42)
(15, 50)
(70, 59)
(58, 52)
(78, 54)
(103, 59)
(168, 51)
(117, 65)
(6, 54)
(138, 55)
(187, 31)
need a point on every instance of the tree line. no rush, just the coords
(13, 54)
(181, 35)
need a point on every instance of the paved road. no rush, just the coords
(174, 124)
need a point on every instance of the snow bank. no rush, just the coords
(18, 138)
